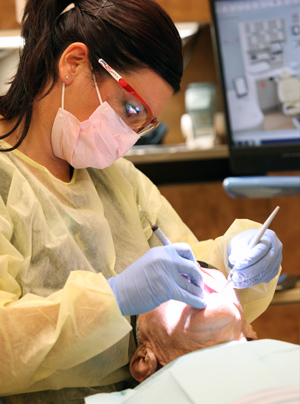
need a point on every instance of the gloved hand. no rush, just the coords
(257, 265)
(159, 275)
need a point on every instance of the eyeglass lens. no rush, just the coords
(129, 108)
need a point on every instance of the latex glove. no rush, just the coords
(257, 265)
(157, 277)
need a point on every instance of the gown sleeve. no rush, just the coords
(42, 335)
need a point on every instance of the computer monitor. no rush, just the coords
(258, 53)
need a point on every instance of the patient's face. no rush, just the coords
(174, 328)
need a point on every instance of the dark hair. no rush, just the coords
(127, 34)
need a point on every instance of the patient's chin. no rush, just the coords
(219, 310)
(221, 321)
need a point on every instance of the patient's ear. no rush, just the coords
(249, 333)
(143, 363)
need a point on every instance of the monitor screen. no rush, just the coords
(258, 52)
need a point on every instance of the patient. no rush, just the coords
(174, 329)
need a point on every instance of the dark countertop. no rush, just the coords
(174, 164)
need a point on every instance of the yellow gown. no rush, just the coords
(60, 325)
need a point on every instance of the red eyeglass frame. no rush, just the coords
(129, 90)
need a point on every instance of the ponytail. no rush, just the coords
(37, 64)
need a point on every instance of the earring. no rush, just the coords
(67, 77)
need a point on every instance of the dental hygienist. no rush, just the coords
(77, 257)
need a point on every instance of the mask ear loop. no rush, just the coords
(63, 96)
(97, 89)
(63, 93)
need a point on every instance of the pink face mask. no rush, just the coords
(97, 142)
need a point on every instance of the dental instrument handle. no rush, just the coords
(156, 230)
(263, 229)
(165, 241)
(160, 235)
(256, 239)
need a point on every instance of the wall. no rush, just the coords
(202, 68)
(7, 15)
(187, 10)
(7, 69)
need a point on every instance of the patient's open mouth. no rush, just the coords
(207, 278)
(209, 289)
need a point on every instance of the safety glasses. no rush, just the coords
(131, 107)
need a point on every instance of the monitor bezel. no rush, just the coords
(251, 160)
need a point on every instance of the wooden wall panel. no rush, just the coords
(188, 10)
(279, 322)
(180, 11)
(208, 211)
(287, 225)
(8, 15)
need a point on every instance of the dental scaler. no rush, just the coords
(157, 231)
(161, 236)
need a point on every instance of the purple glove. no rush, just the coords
(259, 264)
(163, 273)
